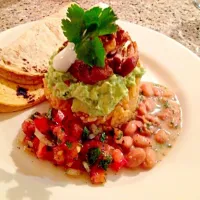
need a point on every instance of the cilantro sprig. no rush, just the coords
(83, 28)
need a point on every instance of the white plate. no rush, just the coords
(176, 177)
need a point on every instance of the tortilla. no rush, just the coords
(26, 60)
(15, 97)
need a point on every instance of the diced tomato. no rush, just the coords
(116, 166)
(71, 151)
(67, 111)
(43, 152)
(77, 164)
(60, 133)
(71, 138)
(88, 145)
(42, 124)
(59, 117)
(75, 128)
(59, 155)
(36, 142)
(28, 127)
(97, 175)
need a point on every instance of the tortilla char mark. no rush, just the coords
(22, 92)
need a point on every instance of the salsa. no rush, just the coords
(62, 138)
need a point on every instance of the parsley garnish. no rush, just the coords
(69, 144)
(141, 98)
(83, 28)
(169, 145)
(120, 136)
(173, 125)
(103, 137)
(85, 133)
(148, 125)
(35, 115)
(49, 114)
(105, 162)
(93, 155)
(166, 104)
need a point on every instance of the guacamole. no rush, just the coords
(96, 100)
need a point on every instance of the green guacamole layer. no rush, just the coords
(95, 100)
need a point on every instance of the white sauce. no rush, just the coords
(65, 58)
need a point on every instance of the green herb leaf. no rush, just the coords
(35, 115)
(83, 28)
(120, 136)
(91, 17)
(93, 155)
(141, 97)
(148, 125)
(91, 52)
(49, 114)
(105, 162)
(69, 144)
(166, 104)
(169, 145)
(103, 137)
(85, 133)
(74, 26)
(107, 22)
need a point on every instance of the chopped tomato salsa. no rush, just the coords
(62, 138)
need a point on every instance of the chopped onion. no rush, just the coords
(73, 172)
(91, 136)
(78, 148)
(86, 166)
(42, 138)
(21, 136)
(30, 144)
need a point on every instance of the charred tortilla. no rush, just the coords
(26, 60)
(15, 97)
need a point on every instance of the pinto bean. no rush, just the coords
(127, 142)
(135, 157)
(153, 119)
(147, 89)
(167, 93)
(129, 128)
(157, 91)
(161, 136)
(150, 105)
(141, 141)
(117, 155)
(142, 109)
(150, 160)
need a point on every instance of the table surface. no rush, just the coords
(179, 19)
